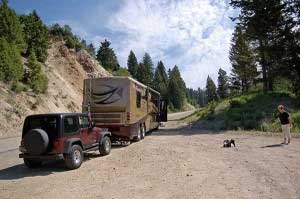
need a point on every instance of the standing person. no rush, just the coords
(286, 124)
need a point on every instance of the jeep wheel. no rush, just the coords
(74, 159)
(143, 131)
(105, 146)
(31, 163)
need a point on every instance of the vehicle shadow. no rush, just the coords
(21, 171)
(47, 168)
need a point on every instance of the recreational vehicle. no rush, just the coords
(128, 108)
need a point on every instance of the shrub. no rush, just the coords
(275, 126)
(210, 117)
(70, 42)
(37, 79)
(18, 87)
(235, 114)
(121, 72)
(264, 127)
(296, 118)
(236, 102)
(249, 124)
(11, 67)
(40, 84)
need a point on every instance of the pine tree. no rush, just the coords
(176, 89)
(142, 75)
(162, 71)
(132, 64)
(91, 50)
(243, 61)
(10, 27)
(107, 57)
(223, 84)
(36, 35)
(211, 90)
(147, 62)
(56, 30)
(37, 79)
(261, 19)
(202, 100)
(11, 67)
(289, 67)
(160, 80)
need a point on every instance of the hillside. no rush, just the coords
(252, 111)
(65, 70)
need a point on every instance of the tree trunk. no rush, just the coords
(270, 83)
(263, 66)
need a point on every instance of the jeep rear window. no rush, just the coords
(48, 124)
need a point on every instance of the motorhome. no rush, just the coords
(128, 108)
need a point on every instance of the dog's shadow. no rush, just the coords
(272, 146)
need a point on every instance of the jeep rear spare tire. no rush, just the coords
(74, 158)
(36, 141)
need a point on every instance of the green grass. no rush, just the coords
(253, 111)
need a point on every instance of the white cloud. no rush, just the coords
(193, 34)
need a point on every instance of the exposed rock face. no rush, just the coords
(66, 70)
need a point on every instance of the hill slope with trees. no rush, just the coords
(265, 52)
(41, 68)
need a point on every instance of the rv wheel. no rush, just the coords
(143, 131)
(139, 135)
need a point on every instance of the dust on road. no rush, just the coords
(170, 163)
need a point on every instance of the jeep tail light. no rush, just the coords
(56, 144)
(21, 147)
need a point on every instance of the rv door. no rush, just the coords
(163, 115)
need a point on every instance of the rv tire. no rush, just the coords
(139, 135)
(143, 130)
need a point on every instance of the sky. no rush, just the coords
(195, 35)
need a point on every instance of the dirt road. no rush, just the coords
(169, 163)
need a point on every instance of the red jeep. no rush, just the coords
(61, 135)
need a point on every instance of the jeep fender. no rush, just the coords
(70, 142)
(103, 134)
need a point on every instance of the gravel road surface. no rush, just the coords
(169, 163)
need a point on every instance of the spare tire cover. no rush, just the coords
(36, 141)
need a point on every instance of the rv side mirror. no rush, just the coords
(163, 115)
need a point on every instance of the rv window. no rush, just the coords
(138, 99)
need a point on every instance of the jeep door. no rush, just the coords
(86, 132)
(71, 129)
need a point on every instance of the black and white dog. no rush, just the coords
(228, 143)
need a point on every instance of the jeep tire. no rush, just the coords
(105, 146)
(32, 163)
(74, 158)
